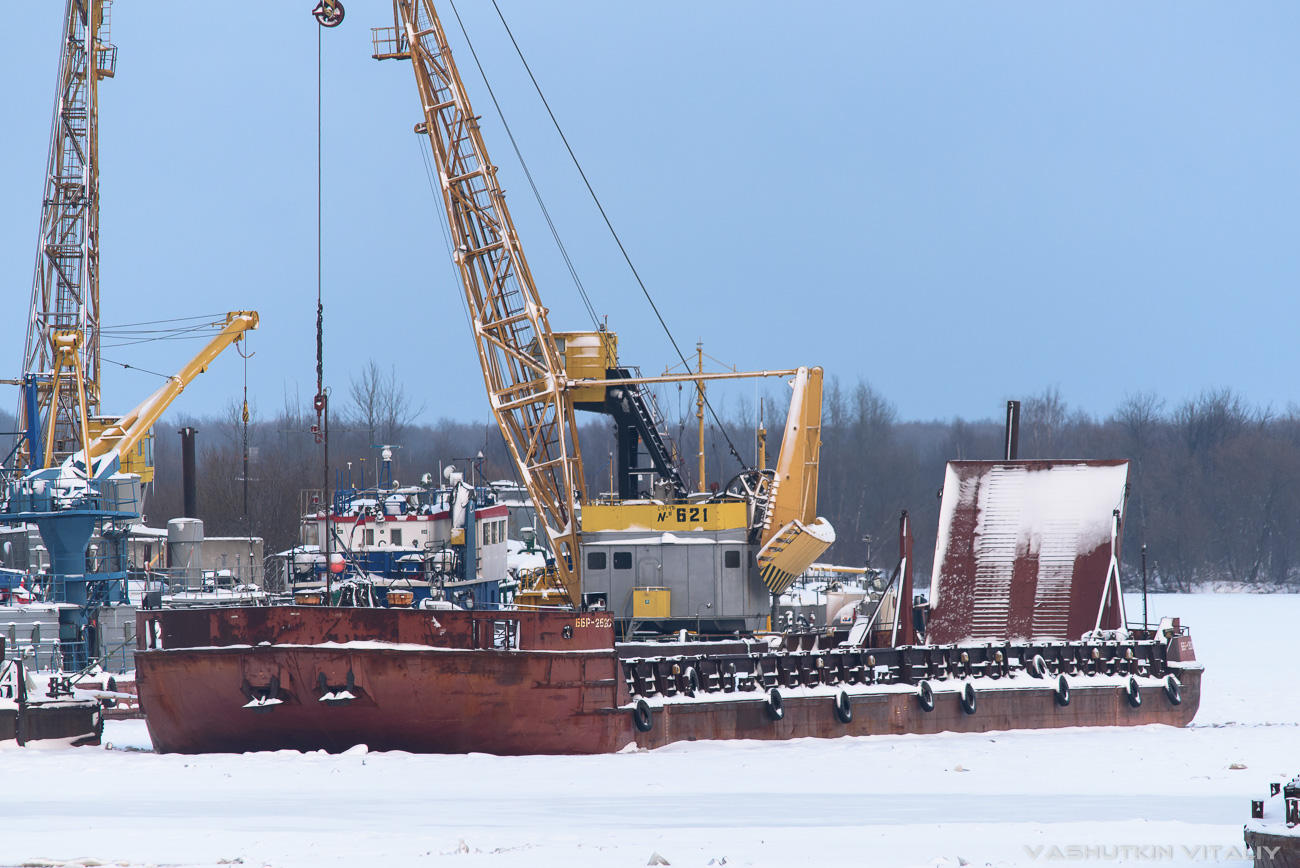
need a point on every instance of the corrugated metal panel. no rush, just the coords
(117, 638)
(1024, 548)
(1001, 522)
(21, 624)
(34, 627)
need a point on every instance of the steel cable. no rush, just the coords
(626, 257)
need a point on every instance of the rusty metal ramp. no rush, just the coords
(1025, 550)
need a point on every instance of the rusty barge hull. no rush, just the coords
(422, 701)
(510, 683)
(1003, 707)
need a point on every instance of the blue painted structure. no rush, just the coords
(67, 511)
(433, 567)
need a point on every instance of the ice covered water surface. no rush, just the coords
(993, 798)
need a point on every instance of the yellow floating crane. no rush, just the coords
(761, 531)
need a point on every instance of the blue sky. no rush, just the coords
(960, 203)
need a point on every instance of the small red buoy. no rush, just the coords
(336, 563)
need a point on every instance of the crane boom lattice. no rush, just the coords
(522, 367)
(65, 286)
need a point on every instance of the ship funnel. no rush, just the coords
(189, 474)
(1013, 431)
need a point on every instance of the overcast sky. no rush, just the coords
(958, 202)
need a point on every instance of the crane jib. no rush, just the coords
(522, 367)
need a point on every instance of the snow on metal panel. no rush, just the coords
(1023, 549)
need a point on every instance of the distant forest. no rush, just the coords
(1215, 482)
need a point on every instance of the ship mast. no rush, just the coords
(522, 367)
(61, 356)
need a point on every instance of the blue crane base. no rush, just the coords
(66, 535)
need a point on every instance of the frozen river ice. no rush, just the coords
(1150, 795)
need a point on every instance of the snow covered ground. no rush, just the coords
(1153, 795)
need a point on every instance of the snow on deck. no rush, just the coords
(1018, 681)
(1004, 799)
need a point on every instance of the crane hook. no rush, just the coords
(329, 13)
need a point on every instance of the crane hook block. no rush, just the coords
(329, 13)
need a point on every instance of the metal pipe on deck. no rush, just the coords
(189, 474)
(1013, 431)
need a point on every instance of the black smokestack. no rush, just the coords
(189, 476)
(1013, 431)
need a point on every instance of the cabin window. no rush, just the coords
(370, 536)
(731, 559)
(596, 560)
(397, 537)
(622, 560)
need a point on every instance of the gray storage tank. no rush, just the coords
(185, 550)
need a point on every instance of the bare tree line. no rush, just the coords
(1215, 482)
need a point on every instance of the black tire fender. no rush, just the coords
(1038, 666)
(1133, 693)
(925, 696)
(1062, 691)
(642, 717)
(843, 707)
(1173, 690)
(775, 708)
(968, 698)
(691, 680)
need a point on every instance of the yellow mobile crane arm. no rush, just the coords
(522, 367)
(793, 535)
(122, 436)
